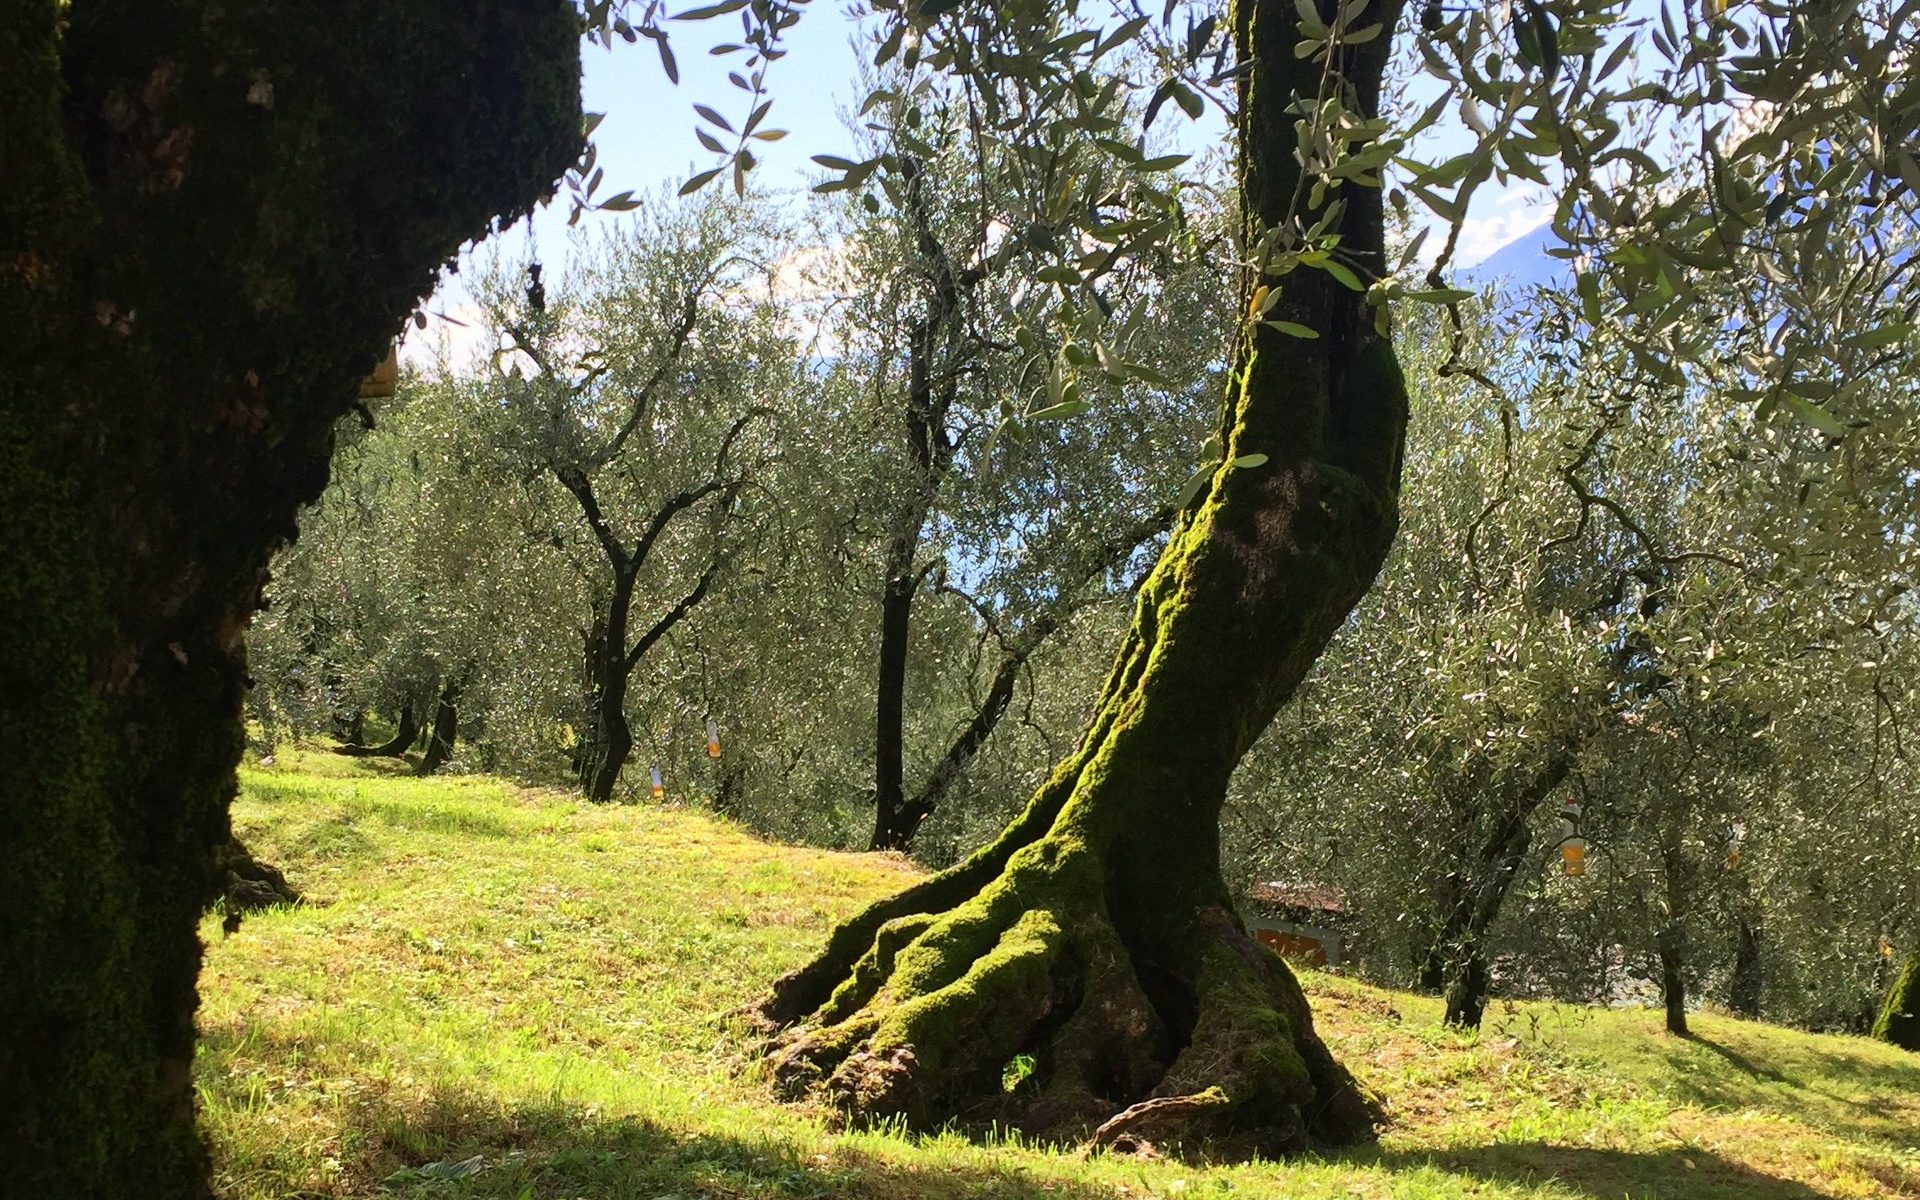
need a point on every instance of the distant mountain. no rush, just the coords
(1521, 263)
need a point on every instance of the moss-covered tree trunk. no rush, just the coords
(214, 217)
(1096, 934)
(1899, 1020)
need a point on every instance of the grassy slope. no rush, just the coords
(526, 979)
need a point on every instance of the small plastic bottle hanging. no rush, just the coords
(1573, 847)
(713, 738)
(1734, 840)
(659, 786)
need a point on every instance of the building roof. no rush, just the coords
(1315, 897)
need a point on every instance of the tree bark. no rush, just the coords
(1899, 1020)
(444, 731)
(405, 734)
(913, 813)
(214, 219)
(1097, 934)
(893, 827)
(613, 737)
(1671, 942)
(251, 885)
(932, 388)
(1457, 963)
(1745, 984)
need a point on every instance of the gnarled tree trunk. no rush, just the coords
(445, 730)
(406, 732)
(214, 219)
(1096, 934)
(1899, 1020)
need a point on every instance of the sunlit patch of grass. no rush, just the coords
(503, 992)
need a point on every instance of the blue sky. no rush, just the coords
(647, 140)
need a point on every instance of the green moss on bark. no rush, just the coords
(1096, 934)
(1899, 1020)
(214, 220)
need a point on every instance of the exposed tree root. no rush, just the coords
(251, 885)
(1203, 1037)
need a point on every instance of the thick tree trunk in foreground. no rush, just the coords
(1899, 1020)
(1096, 934)
(213, 220)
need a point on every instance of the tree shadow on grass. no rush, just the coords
(1872, 1115)
(1676, 1174)
(459, 1146)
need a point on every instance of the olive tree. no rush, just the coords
(214, 222)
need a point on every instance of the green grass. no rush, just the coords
(509, 993)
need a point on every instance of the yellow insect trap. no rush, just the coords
(1573, 847)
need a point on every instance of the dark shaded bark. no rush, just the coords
(614, 736)
(1456, 963)
(445, 730)
(1671, 942)
(212, 224)
(933, 348)
(1745, 983)
(406, 732)
(1097, 934)
(610, 662)
(893, 827)
(587, 748)
(1899, 1020)
(251, 885)
(904, 819)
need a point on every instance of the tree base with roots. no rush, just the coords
(1009, 990)
(1085, 976)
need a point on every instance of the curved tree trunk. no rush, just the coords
(214, 218)
(405, 734)
(1096, 934)
(613, 738)
(1457, 962)
(444, 731)
(1899, 1020)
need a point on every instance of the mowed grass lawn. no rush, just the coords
(508, 993)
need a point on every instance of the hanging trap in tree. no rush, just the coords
(713, 739)
(1573, 847)
(1573, 857)
(659, 785)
